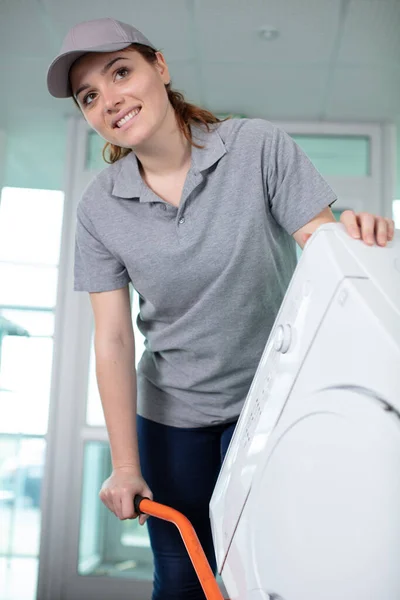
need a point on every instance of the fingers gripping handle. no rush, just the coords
(196, 553)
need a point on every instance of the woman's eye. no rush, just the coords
(123, 71)
(88, 99)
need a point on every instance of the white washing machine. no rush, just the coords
(307, 504)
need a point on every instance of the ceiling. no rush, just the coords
(335, 60)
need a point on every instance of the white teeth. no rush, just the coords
(128, 117)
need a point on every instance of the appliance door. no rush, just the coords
(322, 520)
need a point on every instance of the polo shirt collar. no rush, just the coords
(129, 183)
(214, 148)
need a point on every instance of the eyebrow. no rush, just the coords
(104, 70)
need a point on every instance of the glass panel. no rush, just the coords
(108, 546)
(334, 155)
(18, 578)
(25, 376)
(23, 285)
(30, 226)
(94, 411)
(21, 474)
(36, 322)
(134, 536)
(30, 236)
(94, 158)
(337, 213)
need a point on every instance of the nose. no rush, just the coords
(112, 101)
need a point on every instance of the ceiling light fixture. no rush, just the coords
(268, 33)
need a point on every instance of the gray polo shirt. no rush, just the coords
(211, 274)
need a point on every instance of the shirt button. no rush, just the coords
(163, 207)
(181, 220)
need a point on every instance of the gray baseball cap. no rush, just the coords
(99, 35)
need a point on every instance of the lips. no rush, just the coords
(125, 117)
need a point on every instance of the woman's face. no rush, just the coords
(121, 95)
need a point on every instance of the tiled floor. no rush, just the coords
(18, 578)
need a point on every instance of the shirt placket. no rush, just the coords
(183, 219)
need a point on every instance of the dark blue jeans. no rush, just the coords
(181, 467)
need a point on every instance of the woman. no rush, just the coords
(202, 217)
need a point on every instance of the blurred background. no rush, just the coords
(328, 71)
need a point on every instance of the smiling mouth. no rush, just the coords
(127, 118)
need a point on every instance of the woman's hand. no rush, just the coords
(119, 490)
(369, 228)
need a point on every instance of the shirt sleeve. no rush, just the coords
(96, 269)
(296, 190)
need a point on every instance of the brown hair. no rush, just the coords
(186, 113)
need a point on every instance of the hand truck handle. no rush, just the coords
(190, 539)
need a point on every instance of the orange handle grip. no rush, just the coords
(190, 539)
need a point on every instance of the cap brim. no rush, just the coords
(58, 72)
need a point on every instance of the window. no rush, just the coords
(30, 234)
(337, 155)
